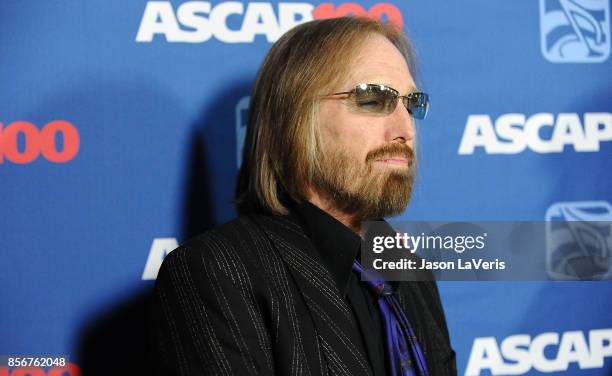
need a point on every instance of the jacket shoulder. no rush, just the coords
(234, 244)
(230, 234)
(210, 305)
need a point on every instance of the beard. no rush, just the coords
(363, 190)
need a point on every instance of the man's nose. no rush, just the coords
(400, 125)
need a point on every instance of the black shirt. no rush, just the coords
(338, 246)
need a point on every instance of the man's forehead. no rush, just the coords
(380, 62)
(404, 84)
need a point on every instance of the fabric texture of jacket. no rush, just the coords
(252, 297)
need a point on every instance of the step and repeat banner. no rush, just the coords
(121, 125)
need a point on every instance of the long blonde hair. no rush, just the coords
(281, 145)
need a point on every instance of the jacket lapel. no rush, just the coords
(337, 330)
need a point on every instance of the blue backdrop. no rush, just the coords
(121, 125)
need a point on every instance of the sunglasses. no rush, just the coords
(382, 99)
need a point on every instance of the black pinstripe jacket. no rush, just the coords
(252, 297)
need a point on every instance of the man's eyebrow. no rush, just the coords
(411, 88)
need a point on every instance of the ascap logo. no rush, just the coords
(515, 133)
(22, 142)
(199, 21)
(519, 354)
(158, 251)
(575, 31)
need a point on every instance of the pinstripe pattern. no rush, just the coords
(335, 363)
(315, 273)
(341, 336)
(252, 297)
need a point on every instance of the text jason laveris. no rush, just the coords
(471, 264)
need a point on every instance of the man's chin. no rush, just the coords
(390, 199)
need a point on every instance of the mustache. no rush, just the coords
(390, 151)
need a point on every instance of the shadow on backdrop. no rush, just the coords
(212, 172)
(119, 341)
(211, 176)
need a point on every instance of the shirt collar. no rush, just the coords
(336, 244)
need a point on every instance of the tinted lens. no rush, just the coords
(417, 104)
(375, 98)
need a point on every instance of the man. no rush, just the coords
(276, 291)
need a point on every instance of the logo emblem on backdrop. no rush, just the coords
(519, 354)
(575, 31)
(579, 240)
(200, 21)
(514, 133)
(242, 110)
(22, 142)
